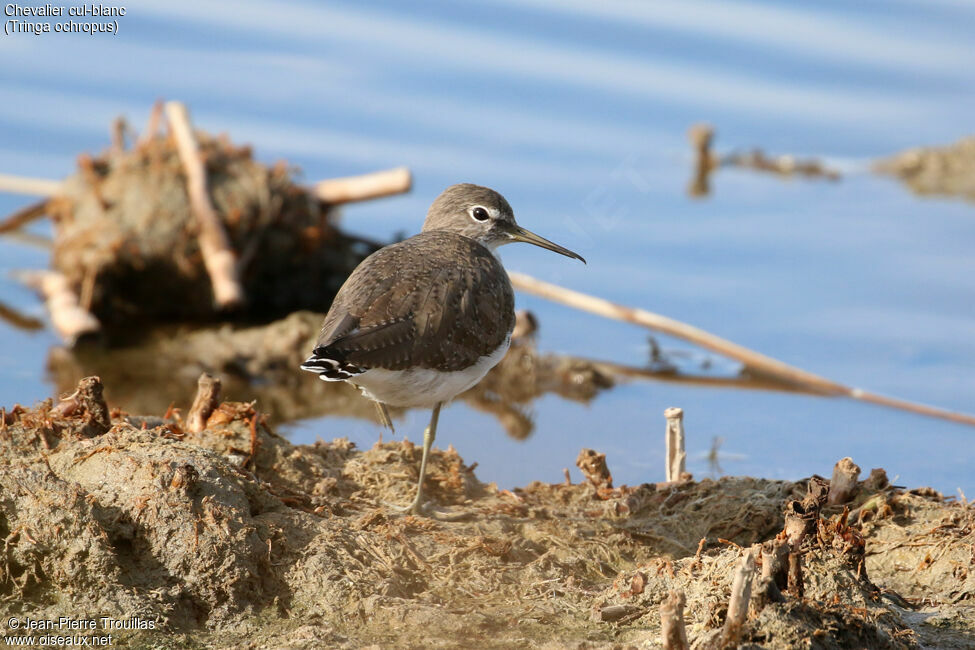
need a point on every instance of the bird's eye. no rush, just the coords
(479, 214)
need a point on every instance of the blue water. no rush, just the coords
(578, 115)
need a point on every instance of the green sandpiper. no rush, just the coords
(422, 320)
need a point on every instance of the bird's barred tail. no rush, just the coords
(329, 369)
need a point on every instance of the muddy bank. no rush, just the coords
(233, 537)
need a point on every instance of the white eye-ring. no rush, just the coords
(479, 214)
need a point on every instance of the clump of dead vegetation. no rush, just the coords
(706, 162)
(261, 361)
(182, 225)
(938, 171)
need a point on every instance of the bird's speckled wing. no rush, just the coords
(437, 300)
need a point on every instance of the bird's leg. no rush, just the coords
(429, 435)
(384, 419)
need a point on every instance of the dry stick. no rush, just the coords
(204, 404)
(752, 360)
(801, 519)
(367, 186)
(673, 635)
(796, 587)
(844, 481)
(152, 126)
(24, 185)
(23, 216)
(676, 456)
(30, 239)
(218, 255)
(740, 382)
(68, 317)
(701, 136)
(119, 127)
(741, 593)
(775, 561)
(20, 321)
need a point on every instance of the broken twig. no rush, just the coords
(741, 593)
(24, 185)
(152, 125)
(673, 635)
(754, 362)
(19, 320)
(676, 456)
(367, 186)
(23, 216)
(218, 254)
(775, 561)
(844, 481)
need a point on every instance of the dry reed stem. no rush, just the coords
(775, 561)
(673, 634)
(21, 321)
(25, 185)
(795, 583)
(676, 455)
(152, 125)
(119, 127)
(23, 216)
(741, 593)
(367, 186)
(753, 361)
(844, 481)
(218, 254)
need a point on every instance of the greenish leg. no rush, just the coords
(429, 435)
(384, 418)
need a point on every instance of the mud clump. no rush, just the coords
(233, 537)
(937, 171)
(128, 244)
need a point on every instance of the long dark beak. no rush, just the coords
(517, 233)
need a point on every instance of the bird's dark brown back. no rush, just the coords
(438, 300)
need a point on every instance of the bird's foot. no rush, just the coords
(426, 509)
(415, 508)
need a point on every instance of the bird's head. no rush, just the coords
(485, 216)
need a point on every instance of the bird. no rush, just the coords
(422, 320)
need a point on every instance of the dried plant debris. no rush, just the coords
(706, 161)
(944, 171)
(260, 362)
(233, 537)
(128, 244)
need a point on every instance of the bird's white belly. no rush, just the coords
(423, 387)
